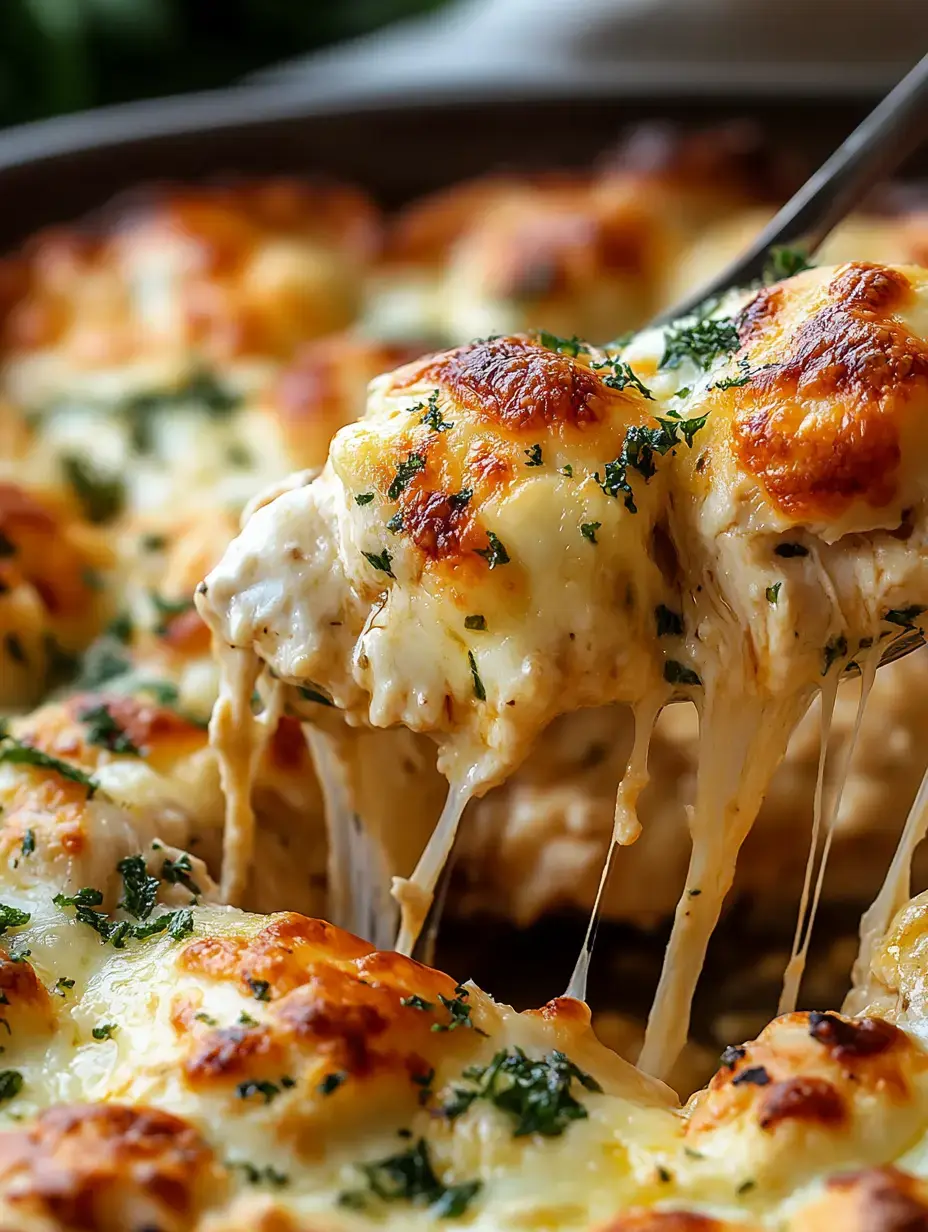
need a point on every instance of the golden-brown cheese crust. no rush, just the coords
(53, 578)
(106, 1168)
(334, 999)
(667, 1221)
(873, 1200)
(325, 387)
(73, 289)
(818, 423)
(803, 1068)
(519, 391)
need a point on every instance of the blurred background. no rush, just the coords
(65, 55)
(58, 56)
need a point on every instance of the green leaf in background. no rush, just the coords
(64, 55)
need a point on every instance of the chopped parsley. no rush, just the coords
(790, 550)
(414, 463)
(12, 917)
(904, 617)
(395, 525)
(15, 752)
(567, 346)
(479, 691)
(835, 649)
(104, 731)
(260, 989)
(11, 1083)
(784, 261)
(410, 1177)
(63, 986)
(246, 1020)
(702, 342)
(621, 377)
(588, 530)
(415, 1002)
(433, 418)
(364, 498)
(267, 1175)
(669, 623)
(28, 843)
(121, 628)
(177, 924)
(104, 1031)
(476, 622)
(537, 1094)
(567, 470)
(101, 497)
(735, 382)
(178, 872)
(678, 673)
(331, 1082)
(380, 561)
(459, 1011)
(773, 593)
(494, 554)
(534, 455)
(139, 889)
(639, 449)
(202, 1016)
(457, 500)
(202, 387)
(268, 1090)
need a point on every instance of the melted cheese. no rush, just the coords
(433, 479)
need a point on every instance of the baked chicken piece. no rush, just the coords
(741, 493)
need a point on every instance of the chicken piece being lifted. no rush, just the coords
(729, 510)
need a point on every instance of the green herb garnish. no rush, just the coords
(537, 1094)
(784, 261)
(477, 623)
(495, 554)
(773, 593)
(331, 1082)
(104, 1031)
(534, 455)
(11, 1083)
(702, 343)
(567, 346)
(101, 497)
(178, 872)
(415, 1002)
(459, 1011)
(588, 530)
(15, 752)
(104, 731)
(410, 1177)
(364, 498)
(479, 691)
(380, 561)
(12, 917)
(621, 376)
(139, 889)
(414, 463)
